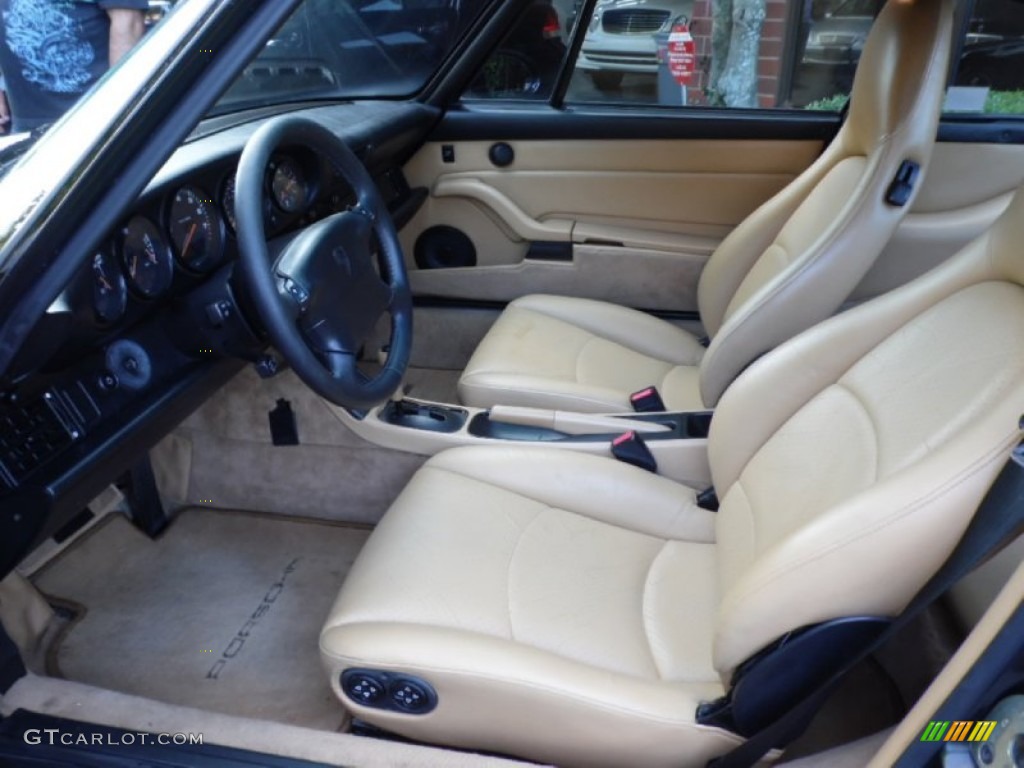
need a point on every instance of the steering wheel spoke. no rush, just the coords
(324, 296)
(294, 296)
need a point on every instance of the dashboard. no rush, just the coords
(155, 321)
(180, 234)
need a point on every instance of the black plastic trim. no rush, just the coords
(981, 129)
(485, 34)
(555, 250)
(430, 417)
(780, 676)
(520, 121)
(584, 14)
(541, 122)
(681, 426)
(73, 526)
(15, 751)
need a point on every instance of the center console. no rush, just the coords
(678, 441)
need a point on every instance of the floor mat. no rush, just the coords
(223, 612)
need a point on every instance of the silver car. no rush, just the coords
(620, 38)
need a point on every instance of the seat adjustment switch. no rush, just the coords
(902, 186)
(387, 690)
(364, 689)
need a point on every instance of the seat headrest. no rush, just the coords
(902, 70)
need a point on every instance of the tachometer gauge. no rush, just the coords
(197, 231)
(109, 290)
(291, 191)
(146, 258)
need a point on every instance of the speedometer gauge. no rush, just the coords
(146, 258)
(109, 290)
(289, 185)
(197, 231)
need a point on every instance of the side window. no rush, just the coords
(716, 53)
(745, 54)
(990, 76)
(526, 63)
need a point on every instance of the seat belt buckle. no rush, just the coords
(708, 499)
(647, 400)
(631, 448)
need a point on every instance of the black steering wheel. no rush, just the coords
(322, 297)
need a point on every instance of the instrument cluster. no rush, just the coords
(176, 237)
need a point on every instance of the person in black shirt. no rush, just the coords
(52, 51)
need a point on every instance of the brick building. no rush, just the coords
(771, 57)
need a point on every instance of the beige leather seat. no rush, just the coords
(573, 609)
(789, 265)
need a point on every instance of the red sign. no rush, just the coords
(682, 54)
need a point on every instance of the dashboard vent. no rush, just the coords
(31, 434)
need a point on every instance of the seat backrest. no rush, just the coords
(850, 460)
(794, 261)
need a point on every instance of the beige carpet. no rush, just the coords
(438, 385)
(432, 384)
(222, 613)
(223, 453)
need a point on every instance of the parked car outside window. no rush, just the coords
(620, 38)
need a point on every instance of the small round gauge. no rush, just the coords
(146, 258)
(227, 202)
(109, 290)
(197, 231)
(291, 192)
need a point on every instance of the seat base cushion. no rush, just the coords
(561, 622)
(581, 355)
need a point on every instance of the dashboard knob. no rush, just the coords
(129, 363)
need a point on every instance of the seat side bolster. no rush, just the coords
(741, 248)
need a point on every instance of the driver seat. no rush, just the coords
(789, 265)
(570, 608)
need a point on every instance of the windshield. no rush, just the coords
(351, 49)
(51, 54)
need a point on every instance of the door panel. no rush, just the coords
(967, 187)
(642, 215)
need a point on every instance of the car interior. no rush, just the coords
(450, 430)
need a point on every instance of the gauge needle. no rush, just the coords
(104, 282)
(188, 240)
